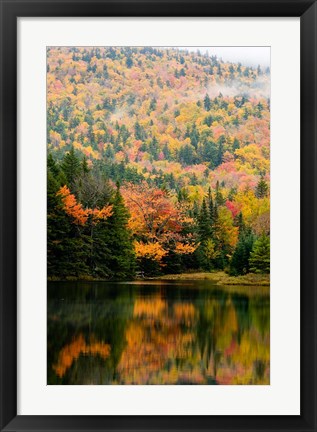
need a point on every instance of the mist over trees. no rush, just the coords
(158, 162)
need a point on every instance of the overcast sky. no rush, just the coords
(249, 56)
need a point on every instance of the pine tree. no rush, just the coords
(262, 188)
(219, 197)
(139, 132)
(239, 222)
(207, 103)
(236, 145)
(153, 105)
(129, 62)
(187, 155)
(194, 136)
(206, 253)
(122, 256)
(67, 245)
(53, 224)
(166, 152)
(210, 206)
(100, 252)
(240, 259)
(52, 166)
(260, 255)
(195, 210)
(84, 165)
(154, 148)
(71, 167)
(221, 151)
(109, 153)
(204, 226)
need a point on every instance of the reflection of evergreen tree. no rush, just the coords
(87, 311)
(242, 307)
(260, 314)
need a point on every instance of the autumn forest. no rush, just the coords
(158, 163)
(158, 217)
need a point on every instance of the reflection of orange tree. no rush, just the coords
(154, 338)
(157, 222)
(77, 347)
(184, 313)
(149, 308)
(170, 345)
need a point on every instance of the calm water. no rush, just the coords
(162, 332)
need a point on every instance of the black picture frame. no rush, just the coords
(10, 11)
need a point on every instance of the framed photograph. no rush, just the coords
(158, 193)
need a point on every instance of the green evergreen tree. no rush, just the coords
(166, 152)
(262, 188)
(71, 167)
(204, 226)
(207, 253)
(109, 152)
(153, 105)
(52, 166)
(67, 246)
(221, 151)
(219, 197)
(154, 148)
(129, 62)
(239, 264)
(207, 103)
(210, 206)
(84, 165)
(260, 255)
(139, 132)
(122, 261)
(194, 136)
(182, 195)
(232, 193)
(239, 222)
(208, 120)
(100, 252)
(235, 145)
(195, 210)
(187, 155)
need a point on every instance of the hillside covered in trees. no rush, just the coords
(158, 162)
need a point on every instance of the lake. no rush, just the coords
(157, 332)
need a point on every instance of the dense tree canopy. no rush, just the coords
(158, 162)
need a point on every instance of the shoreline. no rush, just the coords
(219, 277)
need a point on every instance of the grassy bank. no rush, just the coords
(218, 277)
(221, 278)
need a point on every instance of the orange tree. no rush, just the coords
(159, 225)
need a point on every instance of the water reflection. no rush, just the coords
(157, 333)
